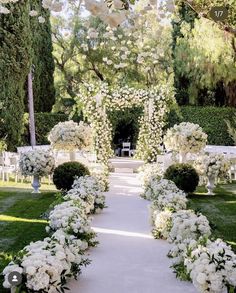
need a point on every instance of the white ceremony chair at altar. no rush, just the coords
(232, 171)
(126, 148)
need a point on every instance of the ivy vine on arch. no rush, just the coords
(98, 98)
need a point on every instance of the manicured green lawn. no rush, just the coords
(21, 221)
(220, 210)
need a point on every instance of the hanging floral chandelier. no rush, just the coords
(113, 13)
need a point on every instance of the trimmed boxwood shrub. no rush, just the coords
(65, 174)
(184, 176)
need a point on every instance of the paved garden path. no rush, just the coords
(128, 259)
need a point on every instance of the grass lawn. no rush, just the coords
(220, 210)
(20, 220)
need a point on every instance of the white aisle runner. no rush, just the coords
(128, 259)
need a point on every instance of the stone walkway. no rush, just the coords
(128, 259)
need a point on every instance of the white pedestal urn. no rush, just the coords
(36, 184)
(182, 157)
(210, 185)
(72, 156)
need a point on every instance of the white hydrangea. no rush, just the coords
(182, 249)
(173, 201)
(36, 162)
(45, 263)
(156, 187)
(70, 136)
(72, 220)
(212, 165)
(89, 190)
(187, 224)
(185, 138)
(212, 267)
(162, 224)
(148, 172)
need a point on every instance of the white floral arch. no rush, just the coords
(99, 97)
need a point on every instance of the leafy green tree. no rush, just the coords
(182, 82)
(203, 7)
(86, 50)
(206, 56)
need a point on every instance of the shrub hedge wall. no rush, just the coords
(44, 122)
(211, 119)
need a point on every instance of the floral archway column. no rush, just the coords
(95, 112)
(151, 130)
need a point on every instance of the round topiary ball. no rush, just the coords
(64, 175)
(184, 176)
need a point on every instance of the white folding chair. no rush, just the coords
(232, 171)
(126, 148)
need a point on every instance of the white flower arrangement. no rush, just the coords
(173, 201)
(96, 98)
(213, 267)
(188, 225)
(180, 250)
(47, 264)
(74, 195)
(73, 220)
(212, 165)
(89, 190)
(70, 136)
(162, 224)
(102, 176)
(36, 162)
(185, 138)
(149, 171)
(156, 187)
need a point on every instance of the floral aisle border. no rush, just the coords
(47, 265)
(99, 98)
(210, 264)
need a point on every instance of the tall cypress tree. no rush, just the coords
(43, 85)
(15, 57)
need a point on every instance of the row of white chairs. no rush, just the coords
(9, 161)
(166, 159)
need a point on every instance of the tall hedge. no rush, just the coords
(211, 119)
(125, 124)
(43, 84)
(44, 122)
(15, 49)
